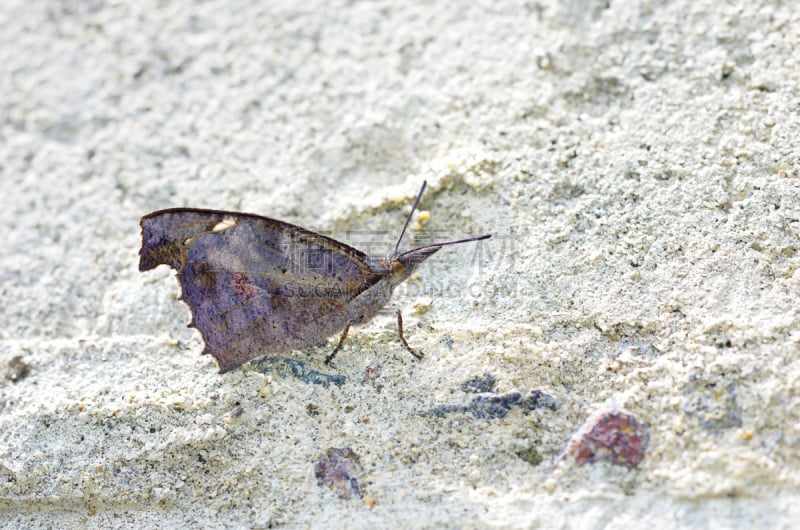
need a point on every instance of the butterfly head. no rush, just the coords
(400, 265)
(403, 265)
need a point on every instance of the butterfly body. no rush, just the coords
(258, 286)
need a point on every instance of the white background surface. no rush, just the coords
(638, 165)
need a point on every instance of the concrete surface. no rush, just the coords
(637, 162)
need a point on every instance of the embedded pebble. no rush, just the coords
(495, 406)
(713, 405)
(339, 470)
(611, 434)
(16, 369)
(371, 375)
(479, 383)
(286, 367)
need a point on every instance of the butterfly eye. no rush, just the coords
(398, 269)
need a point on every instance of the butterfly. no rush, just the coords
(258, 286)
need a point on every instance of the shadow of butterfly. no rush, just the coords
(257, 286)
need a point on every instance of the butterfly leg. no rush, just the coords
(338, 347)
(417, 356)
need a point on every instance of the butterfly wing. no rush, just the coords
(254, 285)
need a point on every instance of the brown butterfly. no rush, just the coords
(257, 286)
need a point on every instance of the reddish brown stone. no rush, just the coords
(613, 435)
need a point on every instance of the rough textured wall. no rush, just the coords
(637, 163)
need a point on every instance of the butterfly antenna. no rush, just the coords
(408, 219)
(452, 242)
